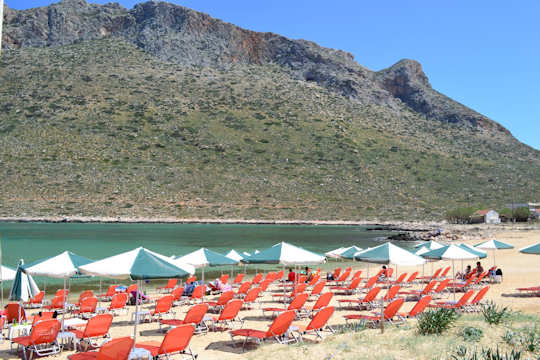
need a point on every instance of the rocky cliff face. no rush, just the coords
(177, 34)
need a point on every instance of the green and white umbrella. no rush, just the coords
(203, 257)
(335, 254)
(450, 252)
(493, 245)
(430, 245)
(285, 254)
(234, 255)
(422, 250)
(349, 252)
(23, 288)
(531, 249)
(137, 264)
(479, 252)
(389, 254)
(63, 265)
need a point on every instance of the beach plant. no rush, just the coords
(436, 321)
(510, 337)
(352, 327)
(494, 314)
(470, 333)
(462, 353)
(529, 338)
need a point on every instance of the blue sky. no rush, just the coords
(484, 54)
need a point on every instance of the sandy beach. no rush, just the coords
(520, 270)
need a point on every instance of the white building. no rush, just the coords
(489, 216)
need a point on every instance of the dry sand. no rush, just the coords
(519, 271)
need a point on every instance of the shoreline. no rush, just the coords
(390, 225)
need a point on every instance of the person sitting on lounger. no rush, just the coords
(465, 274)
(479, 268)
(291, 276)
(384, 273)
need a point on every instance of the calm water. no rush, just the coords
(33, 241)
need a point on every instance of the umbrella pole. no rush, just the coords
(283, 287)
(202, 299)
(493, 257)
(64, 304)
(454, 276)
(139, 285)
(232, 272)
(382, 305)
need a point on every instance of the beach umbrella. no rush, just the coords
(137, 264)
(389, 254)
(285, 254)
(430, 245)
(422, 250)
(335, 254)
(450, 252)
(245, 253)
(531, 249)
(203, 257)
(23, 288)
(256, 251)
(234, 255)
(348, 253)
(479, 252)
(62, 266)
(493, 245)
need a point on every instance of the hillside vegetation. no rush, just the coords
(101, 128)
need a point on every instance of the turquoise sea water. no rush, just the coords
(33, 241)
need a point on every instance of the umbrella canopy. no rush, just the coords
(233, 254)
(204, 257)
(24, 287)
(256, 251)
(62, 265)
(137, 264)
(422, 250)
(7, 274)
(245, 253)
(335, 253)
(389, 254)
(450, 252)
(531, 249)
(349, 252)
(285, 254)
(430, 245)
(494, 245)
(478, 252)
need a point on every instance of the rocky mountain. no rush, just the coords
(163, 111)
(181, 35)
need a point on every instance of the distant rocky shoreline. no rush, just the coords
(404, 231)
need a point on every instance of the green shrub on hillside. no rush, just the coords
(460, 215)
